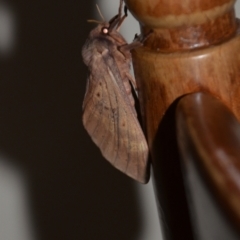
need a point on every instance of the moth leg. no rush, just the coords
(116, 21)
(120, 8)
(129, 47)
(122, 19)
(132, 80)
(138, 42)
(142, 38)
(117, 18)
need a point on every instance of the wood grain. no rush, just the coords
(195, 47)
(165, 77)
(170, 13)
(208, 133)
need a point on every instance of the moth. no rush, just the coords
(109, 115)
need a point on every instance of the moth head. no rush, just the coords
(113, 25)
(103, 26)
(102, 29)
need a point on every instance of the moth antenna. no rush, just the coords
(93, 21)
(100, 13)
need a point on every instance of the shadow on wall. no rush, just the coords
(73, 193)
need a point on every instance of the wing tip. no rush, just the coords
(140, 173)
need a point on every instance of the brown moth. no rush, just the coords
(109, 115)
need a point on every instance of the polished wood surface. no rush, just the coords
(209, 134)
(194, 47)
(146, 9)
(162, 78)
(169, 181)
(181, 25)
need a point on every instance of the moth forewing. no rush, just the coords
(108, 109)
(113, 126)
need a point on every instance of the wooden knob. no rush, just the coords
(172, 13)
(182, 25)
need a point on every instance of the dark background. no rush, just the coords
(73, 192)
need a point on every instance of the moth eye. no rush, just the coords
(105, 30)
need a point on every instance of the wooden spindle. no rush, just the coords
(172, 64)
(195, 47)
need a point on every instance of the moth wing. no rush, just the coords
(109, 118)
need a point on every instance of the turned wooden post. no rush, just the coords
(195, 47)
